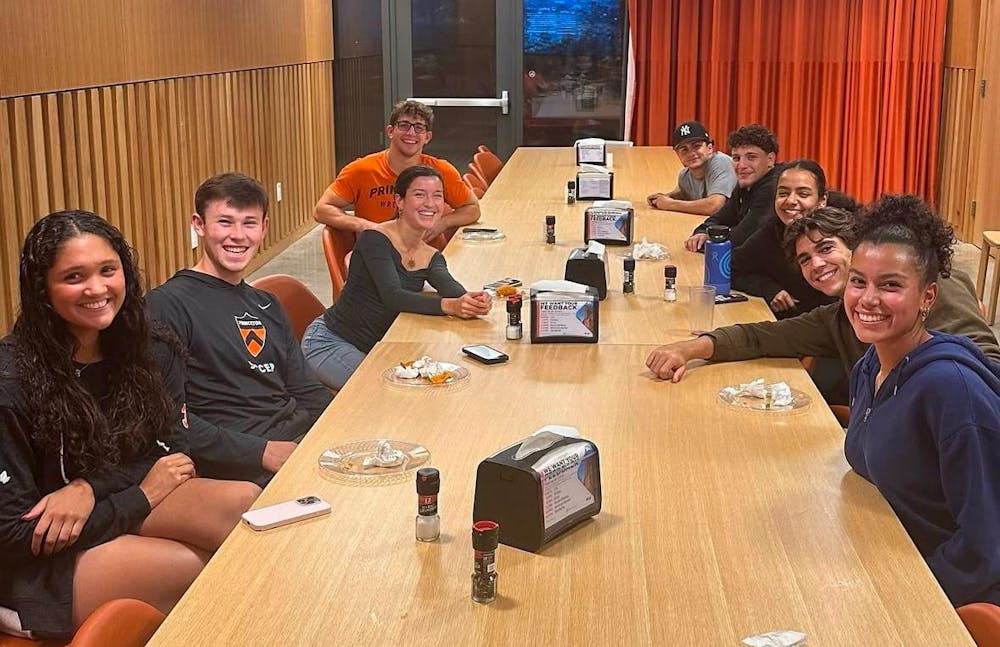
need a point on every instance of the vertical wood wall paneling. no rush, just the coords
(960, 126)
(986, 117)
(135, 153)
(9, 243)
(957, 177)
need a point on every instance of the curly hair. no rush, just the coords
(413, 109)
(125, 423)
(828, 221)
(907, 220)
(753, 135)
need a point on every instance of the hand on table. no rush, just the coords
(669, 362)
(276, 452)
(654, 200)
(61, 516)
(165, 475)
(695, 243)
(470, 304)
(783, 301)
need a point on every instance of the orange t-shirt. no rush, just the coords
(369, 184)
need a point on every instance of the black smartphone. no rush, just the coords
(479, 230)
(485, 354)
(732, 297)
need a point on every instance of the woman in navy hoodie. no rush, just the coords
(925, 406)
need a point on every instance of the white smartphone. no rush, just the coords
(281, 514)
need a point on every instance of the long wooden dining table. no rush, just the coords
(718, 522)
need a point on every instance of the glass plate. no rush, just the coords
(482, 236)
(799, 401)
(460, 375)
(346, 462)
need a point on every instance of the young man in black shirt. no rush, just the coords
(250, 393)
(754, 150)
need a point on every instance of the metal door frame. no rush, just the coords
(397, 63)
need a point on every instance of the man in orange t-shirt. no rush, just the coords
(368, 182)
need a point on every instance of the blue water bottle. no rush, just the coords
(718, 258)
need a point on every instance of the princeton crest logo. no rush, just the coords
(253, 332)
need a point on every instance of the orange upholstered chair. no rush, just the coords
(488, 165)
(337, 244)
(475, 172)
(118, 623)
(982, 619)
(300, 304)
(475, 183)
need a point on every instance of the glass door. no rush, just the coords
(459, 57)
(507, 73)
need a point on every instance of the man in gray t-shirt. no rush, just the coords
(706, 180)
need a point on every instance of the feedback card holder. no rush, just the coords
(608, 225)
(564, 317)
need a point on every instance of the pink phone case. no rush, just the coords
(281, 514)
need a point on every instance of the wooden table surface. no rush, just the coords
(642, 317)
(718, 523)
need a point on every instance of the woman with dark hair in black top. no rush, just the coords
(388, 269)
(96, 493)
(759, 265)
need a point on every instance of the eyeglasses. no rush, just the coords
(407, 126)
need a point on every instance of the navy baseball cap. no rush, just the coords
(689, 130)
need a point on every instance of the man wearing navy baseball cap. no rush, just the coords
(706, 180)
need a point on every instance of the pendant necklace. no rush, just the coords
(411, 263)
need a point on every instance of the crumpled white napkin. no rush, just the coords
(777, 394)
(385, 456)
(647, 251)
(776, 639)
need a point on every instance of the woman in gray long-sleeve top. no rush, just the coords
(388, 269)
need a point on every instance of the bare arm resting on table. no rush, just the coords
(673, 202)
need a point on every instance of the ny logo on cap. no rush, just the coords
(685, 130)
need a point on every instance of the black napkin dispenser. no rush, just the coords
(588, 269)
(541, 495)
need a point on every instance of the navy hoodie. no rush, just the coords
(930, 442)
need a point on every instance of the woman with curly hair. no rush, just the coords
(925, 406)
(95, 490)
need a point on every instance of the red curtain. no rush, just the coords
(855, 84)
